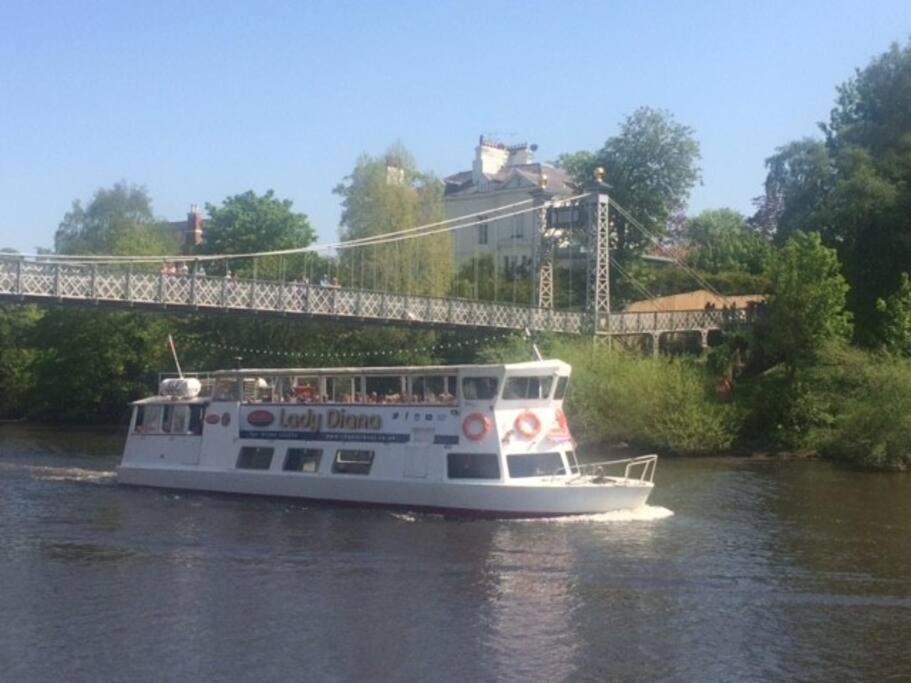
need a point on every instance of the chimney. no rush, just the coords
(489, 158)
(194, 226)
(521, 154)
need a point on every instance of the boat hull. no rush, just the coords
(462, 498)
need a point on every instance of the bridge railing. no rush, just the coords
(40, 280)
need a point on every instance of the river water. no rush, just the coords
(738, 570)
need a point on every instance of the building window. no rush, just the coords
(352, 462)
(517, 388)
(479, 388)
(302, 459)
(534, 465)
(254, 458)
(472, 466)
(482, 233)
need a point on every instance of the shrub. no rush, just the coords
(872, 425)
(659, 403)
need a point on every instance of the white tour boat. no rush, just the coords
(469, 439)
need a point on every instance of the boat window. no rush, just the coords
(225, 390)
(479, 388)
(151, 419)
(254, 458)
(140, 425)
(560, 391)
(384, 389)
(166, 418)
(472, 466)
(303, 459)
(571, 459)
(197, 415)
(175, 418)
(306, 389)
(256, 390)
(433, 389)
(517, 388)
(352, 462)
(534, 464)
(340, 389)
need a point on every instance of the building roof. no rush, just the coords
(692, 301)
(518, 175)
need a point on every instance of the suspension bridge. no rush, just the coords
(126, 282)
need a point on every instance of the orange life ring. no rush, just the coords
(527, 424)
(476, 426)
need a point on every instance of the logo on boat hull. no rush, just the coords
(213, 419)
(260, 418)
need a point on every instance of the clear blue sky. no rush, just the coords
(198, 101)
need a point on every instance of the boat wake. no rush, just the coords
(62, 473)
(645, 513)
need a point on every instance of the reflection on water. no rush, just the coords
(764, 570)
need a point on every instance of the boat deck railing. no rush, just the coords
(641, 468)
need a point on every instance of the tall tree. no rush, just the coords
(651, 166)
(807, 305)
(249, 223)
(719, 240)
(118, 220)
(855, 186)
(896, 318)
(387, 194)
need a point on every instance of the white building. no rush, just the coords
(501, 175)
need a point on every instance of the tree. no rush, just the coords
(799, 177)
(896, 313)
(720, 240)
(651, 166)
(387, 194)
(119, 220)
(807, 305)
(249, 223)
(854, 187)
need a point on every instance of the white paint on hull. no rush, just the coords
(490, 498)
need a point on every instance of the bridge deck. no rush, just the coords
(42, 283)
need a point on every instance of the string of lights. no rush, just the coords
(326, 355)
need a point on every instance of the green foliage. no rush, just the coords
(872, 426)
(720, 241)
(651, 167)
(659, 403)
(855, 186)
(896, 318)
(384, 195)
(663, 281)
(17, 326)
(106, 360)
(118, 220)
(248, 222)
(479, 278)
(806, 309)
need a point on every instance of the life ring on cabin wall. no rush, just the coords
(527, 424)
(476, 426)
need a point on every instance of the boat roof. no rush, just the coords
(554, 364)
(170, 400)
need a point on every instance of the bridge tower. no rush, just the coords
(587, 218)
